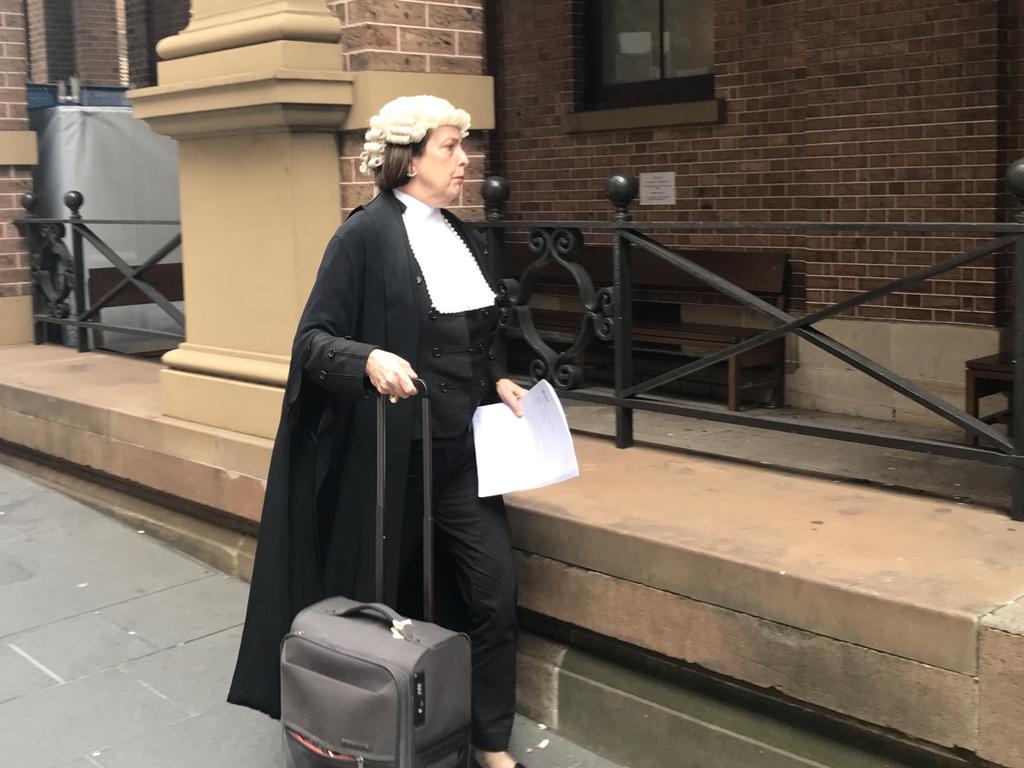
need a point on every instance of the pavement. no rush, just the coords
(116, 650)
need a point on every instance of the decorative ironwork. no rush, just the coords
(50, 264)
(608, 315)
(58, 272)
(556, 246)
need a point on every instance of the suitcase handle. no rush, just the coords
(400, 626)
(428, 501)
(380, 609)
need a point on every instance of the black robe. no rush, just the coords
(317, 529)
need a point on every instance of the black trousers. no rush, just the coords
(475, 581)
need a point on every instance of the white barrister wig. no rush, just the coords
(406, 120)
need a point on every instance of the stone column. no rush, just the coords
(256, 94)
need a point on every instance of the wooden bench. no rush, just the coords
(659, 292)
(166, 278)
(985, 376)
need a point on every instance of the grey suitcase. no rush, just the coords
(361, 685)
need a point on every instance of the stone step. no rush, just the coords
(897, 611)
(648, 712)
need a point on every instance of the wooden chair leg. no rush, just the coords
(580, 359)
(733, 384)
(779, 391)
(971, 403)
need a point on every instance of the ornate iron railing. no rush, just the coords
(59, 274)
(607, 313)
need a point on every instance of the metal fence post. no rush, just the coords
(495, 193)
(1015, 184)
(622, 189)
(73, 200)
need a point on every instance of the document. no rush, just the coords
(519, 453)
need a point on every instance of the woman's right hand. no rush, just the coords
(390, 374)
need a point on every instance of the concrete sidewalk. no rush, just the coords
(116, 650)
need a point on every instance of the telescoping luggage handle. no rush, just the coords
(428, 501)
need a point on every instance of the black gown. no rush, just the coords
(320, 492)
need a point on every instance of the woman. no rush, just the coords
(402, 293)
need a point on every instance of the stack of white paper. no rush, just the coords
(518, 453)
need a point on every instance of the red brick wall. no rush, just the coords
(14, 180)
(862, 111)
(97, 60)
(51, 40)
(407, 36)
(81, 38)
(149, 22)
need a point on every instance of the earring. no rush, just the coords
(410, 173)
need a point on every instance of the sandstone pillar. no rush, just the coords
(256, 95)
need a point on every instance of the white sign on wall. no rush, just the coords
(658, 188)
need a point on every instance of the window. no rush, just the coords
(639, 52)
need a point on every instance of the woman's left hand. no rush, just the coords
(510, 393)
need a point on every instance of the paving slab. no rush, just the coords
(221, 736)
(53, 726)
(169, 617)
(80, 645)
(78, 689)
(22, 514)
(20, 676)
(194, 675)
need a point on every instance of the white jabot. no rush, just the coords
(452, 276)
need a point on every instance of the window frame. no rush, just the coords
(596, 95)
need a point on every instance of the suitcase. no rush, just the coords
(363, 686)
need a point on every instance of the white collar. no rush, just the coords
(416, 211)
(450, 272)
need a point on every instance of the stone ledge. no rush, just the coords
(1001, 683)
(648, 712)
(921, 701)
(839, 596)
(897, 573)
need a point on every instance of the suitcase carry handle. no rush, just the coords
(398, 623)
(380, 609)
(428, 500)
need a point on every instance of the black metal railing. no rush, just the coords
(59, 276)
(607, 313)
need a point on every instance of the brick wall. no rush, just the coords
(406, 36)
(14, 180)
(97, 60)
(149, 22)
(82, 38)
(51, 40)
(861, 111)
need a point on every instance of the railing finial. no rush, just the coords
(1015, 185)
(74, 200)
(495, 193)
(622, 189)
(29, 202)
